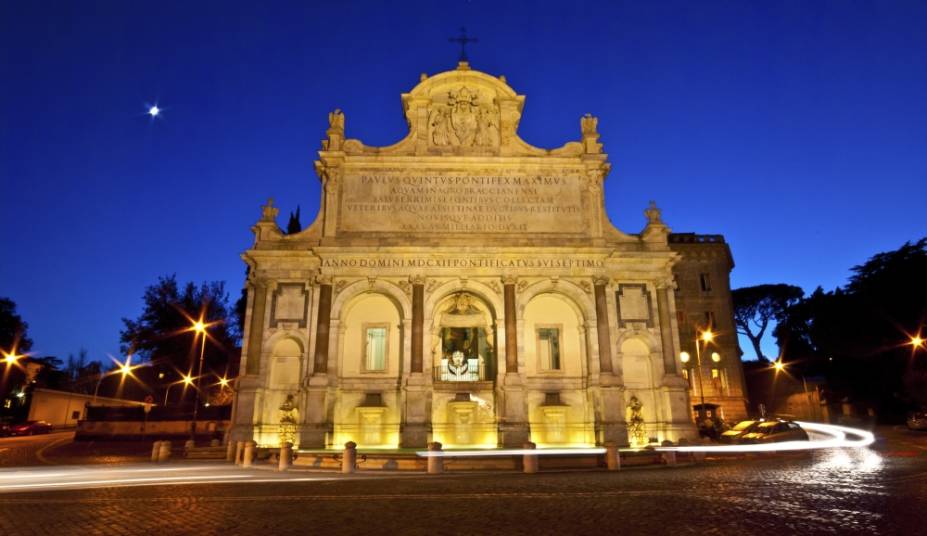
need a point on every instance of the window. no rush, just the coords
(549, 347)
(709, 319)
(375, 348)
(705, 281)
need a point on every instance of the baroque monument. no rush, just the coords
(466, 287)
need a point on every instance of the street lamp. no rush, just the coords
(199, 329)
(917, 341)
(10, 358)
(187, 380)
(706, 336)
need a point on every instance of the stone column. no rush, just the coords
(511, 337)
(256, 328)
(513, 430)
(314, 433)
(601, 313)
(666, 333)
(321, 328)
(418, 321)
(414, 431)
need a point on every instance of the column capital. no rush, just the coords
(509, 280)
(601, 280)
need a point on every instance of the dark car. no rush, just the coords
(917, 420)
(774, 431)
(30, 428)
(733, 435)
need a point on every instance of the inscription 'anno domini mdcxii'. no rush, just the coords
(442, 202)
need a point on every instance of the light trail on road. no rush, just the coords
(837, 438)
(105, 477)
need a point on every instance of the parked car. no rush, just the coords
(917, 420)
(743, 427)
(774, 431)
(30, 428)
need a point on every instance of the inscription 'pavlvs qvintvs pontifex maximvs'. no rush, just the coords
(461, 203)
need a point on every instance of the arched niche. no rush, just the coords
(553, 336)
(637, 365)
(285, 359)
(371, 336)
(463, 339)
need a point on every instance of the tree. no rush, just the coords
(163, 336)
(756, 307)
(858, 336)
(13, 336)
(294, 226)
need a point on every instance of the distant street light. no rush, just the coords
(11, 358)
(917, 341)
(706, 336)
(199, 329)
(187, 380)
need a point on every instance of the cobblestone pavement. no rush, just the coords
(25, 450)
(853, 491)
(838, 492)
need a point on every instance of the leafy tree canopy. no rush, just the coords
(162, 334)
(12, 329)
(756, 307)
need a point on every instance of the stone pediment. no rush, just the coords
(460, 112)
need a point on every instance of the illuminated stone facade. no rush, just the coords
(461, 286)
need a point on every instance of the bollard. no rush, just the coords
(669, 457)
(435, 462)
(250, 447)
(155, 448)
(530, 461)
(612, 458)
(164, 451)
(239, 451)
(230, 451)
(188, 445)
(286, 456)
(214, 443)
(349, 458)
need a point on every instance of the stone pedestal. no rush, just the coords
(612, 426)
(414, 431)
(513, 430)
(314, 432)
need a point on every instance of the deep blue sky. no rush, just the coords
(798, 129)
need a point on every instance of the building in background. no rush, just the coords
(703, 302)
(465, 287)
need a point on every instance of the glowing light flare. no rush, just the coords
(707, 336)
(187, 380)
(917, 341)
(684, 357)
(837, 438)
(778, 365)
(716, 357)
(11, 358)
(223, 382)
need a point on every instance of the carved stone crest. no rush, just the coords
(464, 121)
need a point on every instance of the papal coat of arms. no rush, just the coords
(464, 121)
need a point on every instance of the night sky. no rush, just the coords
(797, 129)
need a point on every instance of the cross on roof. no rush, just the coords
(463, 40)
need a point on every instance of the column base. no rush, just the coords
(313, 436)
(613, 433)
(514, 435)
(414, 435)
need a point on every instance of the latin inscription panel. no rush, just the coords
(455, 202)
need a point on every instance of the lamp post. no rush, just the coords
(186, 380)
(199, 329)
(706, 336)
